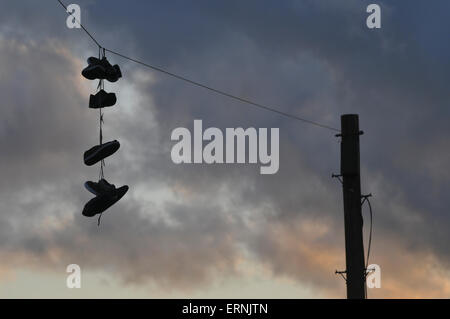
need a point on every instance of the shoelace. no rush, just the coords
(98, 220)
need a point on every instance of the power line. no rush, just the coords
(366, 198)
(207, 87)
(85, 30)
(370, 231)
(222, 92)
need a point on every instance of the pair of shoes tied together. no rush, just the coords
(106, 195)
(99, 69)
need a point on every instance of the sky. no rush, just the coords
(224, 230)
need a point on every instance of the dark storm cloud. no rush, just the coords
(390, 77)
(312, 58)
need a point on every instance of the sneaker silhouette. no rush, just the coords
(92, 72)
(103, 201)
(100, 187)
(99, 152)
(102, 99)
(113, 72)
(101, 69)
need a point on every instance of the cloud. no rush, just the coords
(184, 226)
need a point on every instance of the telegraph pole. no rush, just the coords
(350, 169)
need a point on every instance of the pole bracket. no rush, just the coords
(341, 135)
(365, 197)
(338, 176)
(341, 273)
(368, 271)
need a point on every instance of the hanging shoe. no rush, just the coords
(96, 153)
(101, 69)
(113, 73)
(102, 99)
(99, 204)
(93, 72)
(102, 187)
(94, 61)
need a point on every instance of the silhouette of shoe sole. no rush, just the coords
(99, 152)
(99, 204)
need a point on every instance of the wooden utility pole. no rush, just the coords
(354, 247)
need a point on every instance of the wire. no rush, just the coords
(207, 87)
(369, 244)
(85, 30)
(265, 107)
